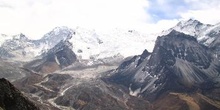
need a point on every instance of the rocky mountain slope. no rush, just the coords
(179, 70)
(177, 59)
(81, 68)
(78, 89)
(11, 98)
(177, 64)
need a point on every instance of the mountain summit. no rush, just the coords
(192, 27)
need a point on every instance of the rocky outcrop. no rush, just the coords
(12, 99)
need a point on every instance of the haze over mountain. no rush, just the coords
(110, 54)
(35, 18)
(88, 44)
(86, 69)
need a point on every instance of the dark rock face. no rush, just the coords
(178, 63)
(127, 68)
(62, 53)
(56, 58)
(12, 99)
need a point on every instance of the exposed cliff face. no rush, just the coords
(56, 58)
(11, 98)
(178, 63)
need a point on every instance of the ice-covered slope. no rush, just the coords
(87, 43)
(53, 37)
(18, 47)
(192, 27)
(205, 33)
(91, 44)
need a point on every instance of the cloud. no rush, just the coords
(37, 17)
(166, 9)
(171, 11)
(166, 13)
(4, 5)
(203, 10)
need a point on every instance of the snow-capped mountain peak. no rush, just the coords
(88, 44)
(52, 38)
(58, 33)
(205, 33)
(192, 27)
(21, 37)
(189, 22)
(94, 44)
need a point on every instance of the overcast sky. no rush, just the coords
(34, 18)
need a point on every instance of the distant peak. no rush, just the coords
(145, 53)
(61, 28)
(20, 36)
(190, 21)
(59, 33)
(194, 21)
(3, 35)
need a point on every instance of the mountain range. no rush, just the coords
(177, 69)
